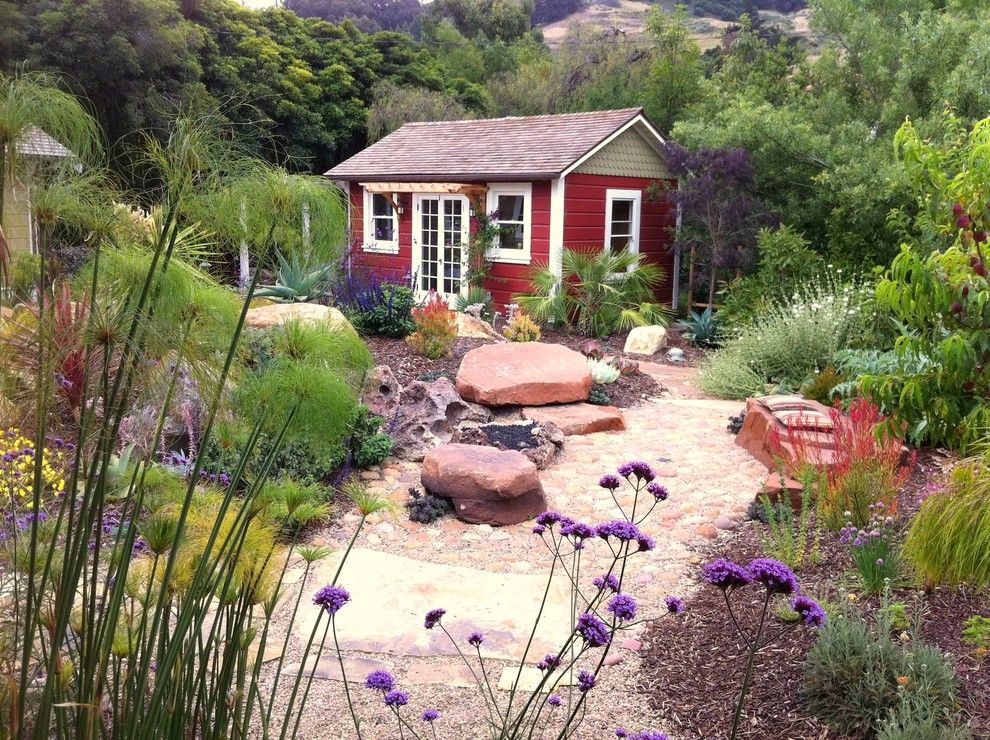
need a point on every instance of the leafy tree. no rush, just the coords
(720, 215)
(395, 105)
(368, 15)
(941, 388)
(503, 20)
(677, 74)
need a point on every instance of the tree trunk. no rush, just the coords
(690, 284)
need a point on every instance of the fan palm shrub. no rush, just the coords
(598, 293)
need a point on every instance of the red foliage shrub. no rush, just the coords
(436, 328)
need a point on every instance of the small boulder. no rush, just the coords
(381, 391)
(578, 418)
(485, 484)
(523, 374)
(274, 314)
(427, 416)
(645, 340)
(473, 327)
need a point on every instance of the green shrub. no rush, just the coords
(25, 269)
(852, 673)
(436, 328)
(902, 726)
(794, 542)
(336, 348)
(293, 503)
(792, 339)
(321, 404)
(387, 312)
(598, 293)
(976, 631)
(521, 328)
(949, 538)
(476, 296)
(369, 445)
(702, 329)
(822, 384)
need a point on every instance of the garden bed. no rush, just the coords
(629, 390)
(692, 671)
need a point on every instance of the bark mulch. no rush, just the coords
(629, 390)
(693, 665)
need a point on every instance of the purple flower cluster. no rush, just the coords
(658, 491)
(554, 700)
(380, 681)
(593, 630)
(624, 531)
(777, 577)
(675, 604)
(430, 715)
(609, 482)
(475, 639)
(433, 617)
(396, 698)
(726, 575)
(649, 735)
(586, 681)
(623, 606)
(331, 598)
(809, 610)
(637, 468)
(549, 662)
(606, 581)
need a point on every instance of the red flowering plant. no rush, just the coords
(436, 328)
(857, 454)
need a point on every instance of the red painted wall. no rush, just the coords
(584, 227)
(584, 219)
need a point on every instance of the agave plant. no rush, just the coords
(598, 293)
(701, 329)
(297, 281)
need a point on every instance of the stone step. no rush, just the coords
(579, 418)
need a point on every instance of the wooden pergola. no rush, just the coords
(473, 191)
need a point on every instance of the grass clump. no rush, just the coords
(949, 538)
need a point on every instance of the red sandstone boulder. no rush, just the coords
(523, 374)
(486, 485)
(579, 418)
(776, 425)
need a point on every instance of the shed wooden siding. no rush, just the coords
(395, 267)
(506, 280)
(16, 220)
(584, 219)
(629, 154)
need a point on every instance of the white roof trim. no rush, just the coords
(658, 143)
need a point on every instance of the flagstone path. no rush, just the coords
(492, 579)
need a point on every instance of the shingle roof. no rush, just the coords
(36, 143)
(530, 147)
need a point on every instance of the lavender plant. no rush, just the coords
(874, 549)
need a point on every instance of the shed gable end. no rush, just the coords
(628, 155)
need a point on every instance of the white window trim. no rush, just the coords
(370, 243)
(525, 189)
(637, 197)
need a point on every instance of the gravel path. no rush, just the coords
(711, 482)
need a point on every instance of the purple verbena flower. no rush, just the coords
(331, 598)
(549, 662)
(645, 542)
(396, 698)
(777, 577)
(539, 529)
(649, 735)
(578, 530)
(586, 681)
(809, 610)
(621, 732)
(476, 638)
(726, 575)
(548, 518)
(606, 580)
(640, 469)
(380, 681)
(609, 481)
(658, 491)
(433, 617)
(623, 606)
(553, 700)
(430, 715)
(620, 529)
(675, 604)
(593, 630)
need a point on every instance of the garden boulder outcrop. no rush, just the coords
(789, 429)
(523, 374)
(579, 418)
(381, 392)
(427, 416)
(645, 340)
(485, 484)
(275, 314)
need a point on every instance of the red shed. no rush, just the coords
(577, 180)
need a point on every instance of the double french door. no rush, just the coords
(440, 237)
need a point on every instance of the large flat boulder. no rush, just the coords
(645, 340)
(523, 374)
(578, 418)
(789, 430)
(486, 485)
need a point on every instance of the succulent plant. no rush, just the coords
(603, 372)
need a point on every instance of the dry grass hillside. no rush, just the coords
(629, 17)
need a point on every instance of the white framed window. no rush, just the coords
(622, 215)
(381, 224)
(512, 206)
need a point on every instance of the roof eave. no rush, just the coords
(443, 177)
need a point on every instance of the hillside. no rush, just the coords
(629, 17)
